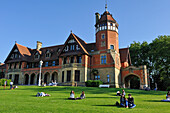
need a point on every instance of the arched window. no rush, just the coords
(48, 54)
(36, 55)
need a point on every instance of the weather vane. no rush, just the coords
(106, 6)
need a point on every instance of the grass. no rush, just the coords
(98, 100)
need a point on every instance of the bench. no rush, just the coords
(107, 86)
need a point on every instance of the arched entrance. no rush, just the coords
(54, 77)
(47, 78)
(26, 79)
(32, 79)
(132, 81)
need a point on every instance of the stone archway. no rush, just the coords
(54, 77)
(26, 80)
(132, 81)
(32, 79)
(47, 78)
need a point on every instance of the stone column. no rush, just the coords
(65, 75)
(29, 80)
(13, 77)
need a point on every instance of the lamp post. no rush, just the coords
(41, 62)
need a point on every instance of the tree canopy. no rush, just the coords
(156, 56)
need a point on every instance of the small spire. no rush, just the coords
(106, 6)
(15, 42)
(71, 31)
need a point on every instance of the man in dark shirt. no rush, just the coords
(131, 101)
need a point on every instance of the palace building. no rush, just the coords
(75, 60)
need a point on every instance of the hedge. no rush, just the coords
(93, 83)
(168, 88)
(3, 80)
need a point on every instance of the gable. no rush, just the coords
(73, 45)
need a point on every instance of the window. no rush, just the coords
(103, 36)
(53, 63)
(32, 65)
(62, 76)
(48, 54)
(57, 62)
(111, 24)
(16, 55)
(10, 76)
(78, 59)
(37, 55)
(12, 56)
(97, 77)
(68, 76)
(103, 59)
(72, 60)
(108, 78)
(77, 75)
(46, 64)
(15, 65)
(77, 47)
(65, 60)
(73, 47)
(111, 46)
(102, 43)
(10, 65)
(20, 65)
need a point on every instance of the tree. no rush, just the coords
(156, 56)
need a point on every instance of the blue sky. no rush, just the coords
(50, 21)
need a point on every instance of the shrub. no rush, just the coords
(3, 80)
(93, 83)
(168, 88)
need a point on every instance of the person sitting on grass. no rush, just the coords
(123, 92)
(123, 101)
(72, 95)
(82, 96)
(168, 96)
(118, 93)
(131, 101)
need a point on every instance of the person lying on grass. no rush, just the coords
(131, 101)
(123, 101)
(42, 94)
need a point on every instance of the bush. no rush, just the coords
(93, 83)
(168, 88)
(3, 80)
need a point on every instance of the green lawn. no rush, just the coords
(98, 100)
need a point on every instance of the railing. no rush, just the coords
(71, 65)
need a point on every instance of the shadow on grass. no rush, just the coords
(101, 97)
(152, 100)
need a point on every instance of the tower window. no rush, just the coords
(72, 60)
(103, 36)
(111, 46)
(102, 43)
(103, 59)
(65, 60)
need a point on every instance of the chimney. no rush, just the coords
(97, 17)
(39, 45)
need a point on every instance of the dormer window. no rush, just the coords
(37, 55)
(48, 54)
